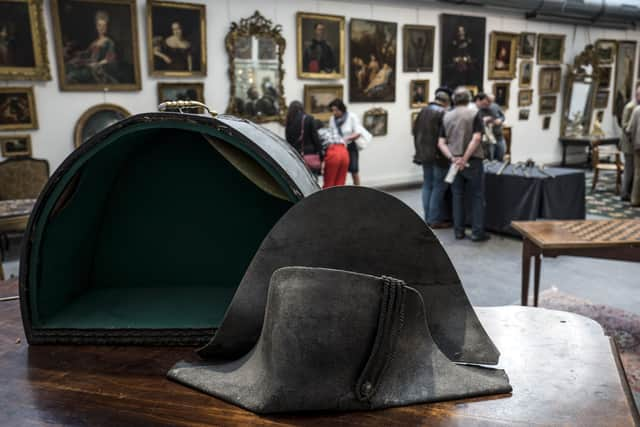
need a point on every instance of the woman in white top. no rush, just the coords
(347, 125)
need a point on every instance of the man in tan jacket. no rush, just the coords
(626, 147)
(633, 132)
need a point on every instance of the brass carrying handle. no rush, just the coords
(181, 105)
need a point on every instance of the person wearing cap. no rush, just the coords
(426, 131)
(460, 142)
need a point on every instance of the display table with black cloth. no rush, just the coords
(585, 141)
(563, 369)
(556, 193)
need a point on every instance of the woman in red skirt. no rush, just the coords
(336, 158)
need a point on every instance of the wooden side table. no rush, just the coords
(584, 141)
(617, 239)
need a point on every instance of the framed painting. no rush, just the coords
(525, 97)
(417, 48)
(96, 44)
(549, 80)
(523, 114)
(501, 94)
(96, 119)
(525, 73)
(502, 55)
(606, 51)
(604, 78)
(23, 42)
(602, 99)
(473, 90)
(527, 45)
(17, 109)
(462, 50)
(550, 49)
(546, 123)
(176, 39)
(624, 73)
(318, 97)
(15, 146)
(375, 121)
(372, 46)
(419, 92)
(548, 104)
(187, 91)
(320, 46)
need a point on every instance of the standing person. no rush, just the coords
(302, 133)
(626, 146)
(460, 143)
(493, 119)
(336, 158)
(348, 127)
(426, 131)
(633, 130)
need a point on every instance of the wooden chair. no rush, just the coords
(617, 166)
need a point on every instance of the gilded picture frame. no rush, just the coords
(376, 121)
(171, 62)
(180, 91)
(606, 51)
(418, 48)
(418, 93)
(525, 73)
(549, 80)
(90, 123)
(30, 64)
(15, 146)
(551, 49)
(527, 45)
(548, 104)
(546, 122)
(502, 55)
(17, 109)
(333, 36)
(501, 92)
(78, 70)
(318, 97)
(523, 114)
(525, 97)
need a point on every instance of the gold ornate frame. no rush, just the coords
(81, 87)
(310, 89)
(522, 35)
(525, 102)
(202, 10)
(5, 139)
(508, 94)
(412, 85)
(259, 26)
(543, 111)
(299, 50)
(199, 87)
(39, 43)
(405, 41)
(82, 121)
(577, 73)
(32, 108)
(541, 39)
(521, 73)
(376, 112)
(556, 86)
(513, 40)
(614, 53)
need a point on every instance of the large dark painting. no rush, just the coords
(624, 73)
(96, 44)
(372, 61)
(417, 47)
(462, 51)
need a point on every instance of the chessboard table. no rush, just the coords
(617, 239)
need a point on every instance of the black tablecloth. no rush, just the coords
(558, 194)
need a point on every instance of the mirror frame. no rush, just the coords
(258, 26)
(576, 73)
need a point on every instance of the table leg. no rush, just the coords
(536, 279)
(526, 264)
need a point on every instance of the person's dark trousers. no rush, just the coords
(627, 180)
(433, 189)
(471, 177)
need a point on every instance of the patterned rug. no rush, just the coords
(623, 326)
(604, 201)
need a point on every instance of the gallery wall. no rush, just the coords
(387, 160)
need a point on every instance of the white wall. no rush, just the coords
(388, 159)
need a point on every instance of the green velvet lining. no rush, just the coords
(158, 234)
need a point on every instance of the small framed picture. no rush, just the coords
(501, 93)
(549, 80)
(602, 99)
(526, 73)
(548, 104)
(17, 109)
(318, 97)
(472, 89)
(419, 91)
(606, 51)
(375, 121)
(550, 49)
(503, 48)
(525, 97)
(527, 45)
(604, 78)
(546, 122)
(180, 92)
(96, 119)
(417, 48)
(523, 114)
(16, 146)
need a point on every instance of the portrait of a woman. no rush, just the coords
(174, 52)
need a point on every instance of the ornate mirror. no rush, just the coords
(255, 47)
(579, 93)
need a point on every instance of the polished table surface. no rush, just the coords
(563, 370)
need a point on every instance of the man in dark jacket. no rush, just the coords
(426, 130)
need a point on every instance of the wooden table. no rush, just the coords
(563, 370)
(617, 239)
(585, 141)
